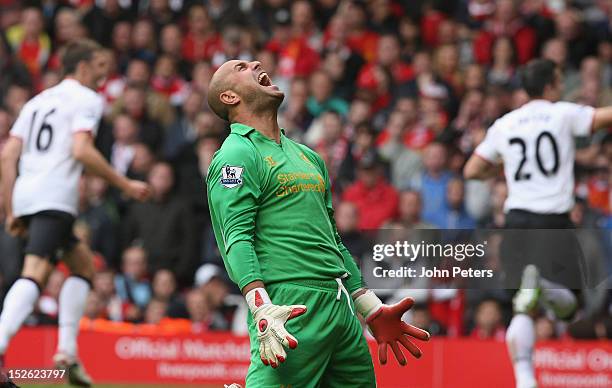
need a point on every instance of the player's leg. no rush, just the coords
(22, 296)
(351, 362)
(559, 299)
(72, 298)
(520, 340)
(306, 364)
(520, 336)
(44, 238)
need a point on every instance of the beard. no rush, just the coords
(258, 100)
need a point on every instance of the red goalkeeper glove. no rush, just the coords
(386, 325)
(270, 322)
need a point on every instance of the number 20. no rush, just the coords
(519, 175)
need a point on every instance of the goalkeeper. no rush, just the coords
(271, 210)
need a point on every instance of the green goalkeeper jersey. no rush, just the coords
(271, 211)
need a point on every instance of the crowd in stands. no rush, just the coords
(393, 94)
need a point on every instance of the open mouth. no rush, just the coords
(263, 79)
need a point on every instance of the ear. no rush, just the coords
(228, 97)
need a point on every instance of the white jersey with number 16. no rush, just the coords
(536, 145)
(48, 173)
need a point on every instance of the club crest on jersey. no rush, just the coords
(231, 176)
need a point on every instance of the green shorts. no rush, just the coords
(331, 352)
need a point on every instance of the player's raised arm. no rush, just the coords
(84, 150)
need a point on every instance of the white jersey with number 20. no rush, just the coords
(48, 173)
(536, 144)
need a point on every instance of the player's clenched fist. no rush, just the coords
(385, 323)
(270, 322)
(138, 190)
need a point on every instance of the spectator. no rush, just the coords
(505, 21)
(230, 47)
(202, 317)
(30, 42)
(406, 164)
(68, 27)
(146, 110)
(102, 18)
(363, 141)
(295, 116)
(142, 162)
(579, 41)
(387, 57)
(545, 329)
(165, 226)
(121, 43)
(453, 214)
(498, 216)
(183, 131)
(155, 311)
(502, 69)
(375, 198)
(333, 145)
(94, 307)
(143, 44)
(223, 13)
(15, 97)
(421, 318)
(200, 77)
(488, 321)
(433, 181)
(410, 210)
(160, 12)
(103, 286)
(132, 284)
(201, 40)
(212, 285)
(347, 222)
(12, 69)
(360, 38)
(167, 82)
(321, 96)
(101, 215)
(170, 42)
(164, 289)
(126, 135)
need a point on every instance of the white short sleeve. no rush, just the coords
(22, 125)
(87, 115)
(579, 117)
(488, 148)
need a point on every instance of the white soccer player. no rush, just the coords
(50, 142)
(536, 145)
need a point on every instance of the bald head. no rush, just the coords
(220, 82)
(240, 83)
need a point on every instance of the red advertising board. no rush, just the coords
(217, 358)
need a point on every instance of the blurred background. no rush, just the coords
(394, 95)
